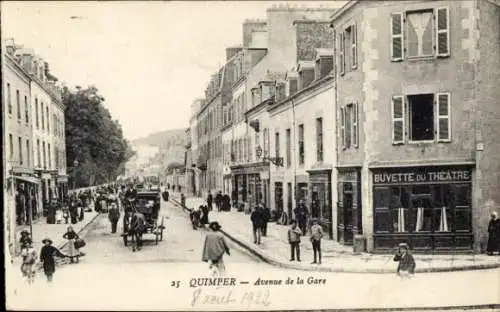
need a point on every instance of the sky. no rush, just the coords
(150, 60)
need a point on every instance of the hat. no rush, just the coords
(46, 240)
(214, 225)
(404, 245)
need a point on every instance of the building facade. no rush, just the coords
(415, 149)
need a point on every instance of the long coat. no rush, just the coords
(47, 258)
(215, 246)
(493, 235)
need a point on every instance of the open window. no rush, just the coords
(421, 117)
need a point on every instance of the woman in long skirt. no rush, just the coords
(71, 236)
(47, 258)
(29, 258)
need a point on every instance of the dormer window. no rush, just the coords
(324, 63)
(306, 73)
(280, 91)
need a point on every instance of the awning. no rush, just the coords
(27, 179)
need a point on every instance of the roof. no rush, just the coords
(323, 52)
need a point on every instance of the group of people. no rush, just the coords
(222, 201)
(260, 218)
(48, 253)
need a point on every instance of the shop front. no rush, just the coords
(430, 208)
(278, 199)
(349, 209)
(320, 183)
(252, 183)
(62, 187)
(302, 190)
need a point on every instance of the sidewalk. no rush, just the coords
(275, 249)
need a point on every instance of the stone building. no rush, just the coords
(417, 105)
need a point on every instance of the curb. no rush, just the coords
(279, 263)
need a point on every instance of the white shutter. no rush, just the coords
(355, 128)
(342, 127)
(341, 54)
(442, 32)
(443, 117)
(398, 119)
(354, 49)
(397, 42)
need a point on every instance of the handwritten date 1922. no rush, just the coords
(260, 297)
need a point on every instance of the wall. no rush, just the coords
(487, 54)
(37, 93)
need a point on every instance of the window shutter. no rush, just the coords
(443, 32)
(355, 128)
(443, 120)
(397, 44)
(398, 120)
(354, 49)
(342, 127)
(341, 54)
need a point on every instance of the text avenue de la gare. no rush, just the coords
(231, 281)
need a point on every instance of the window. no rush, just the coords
(417, 34)
(341, 54)
(348, 126)
(49, 155)
(43, 119)
(37, 122)
(28, 153)
(428, 118)
(288, 148)
(266, 142)
(9, 99)
(319, 139)
(349, 55)
(11, 146)
(342, 127)
(277, 144)
(38, 160)
(18, 102)
(349, 129)
(20, 141)
(301, 145)
(44, 155)
(26, 110)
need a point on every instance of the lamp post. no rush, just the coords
(75, 165)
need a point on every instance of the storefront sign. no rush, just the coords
(422, 175)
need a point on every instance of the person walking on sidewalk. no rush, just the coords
(114, 216)
(209, 201)
(301, 216)
(256, 218)
(29, 256)
(204, 215)
(218, 201)
(266, 216)
(294, 234)
(71, 236)
(316, 236)
(214, 248)
(406, 262)
(493, 234)
(47, 254)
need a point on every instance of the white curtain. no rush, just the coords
(443, 225)
(420, 219)
(401, 220)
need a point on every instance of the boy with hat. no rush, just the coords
(406, 265)
(214, 248)
(47, 254)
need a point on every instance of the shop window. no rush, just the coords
(421, 117)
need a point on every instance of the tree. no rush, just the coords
(93, 138)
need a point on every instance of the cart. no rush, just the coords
(148, 204)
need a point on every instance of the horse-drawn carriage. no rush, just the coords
(142, 217)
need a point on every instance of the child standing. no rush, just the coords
(406, 262)
(316, 236)
(294, 234)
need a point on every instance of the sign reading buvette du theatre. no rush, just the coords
(422, 175)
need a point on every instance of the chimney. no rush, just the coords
(27, 59)
(249, 27)
(306, 73)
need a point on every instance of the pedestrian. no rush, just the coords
(204, 215)
(316, 236)
(71, 236)
(214, 248)
(73, 210)
(218, 201)
(256, 218)
(493, 234)
(24, 240)
(301, 216)
(29, 256)
(294, 234)
(406, 262)
(209, 201)
(114, 216)
(266, 216)
(47, 254)
(194, 215)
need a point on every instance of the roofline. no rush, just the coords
(311, 22)
(342, 10)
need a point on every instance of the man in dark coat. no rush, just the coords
(256, 218)
(493, 234)
(301, 216)
(47, 254)
(266, 215)
(114, 216)
(218, 201)
(209, 201)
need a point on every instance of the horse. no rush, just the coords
(137, 226)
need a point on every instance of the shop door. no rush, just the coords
(345, 214)
(278, 198)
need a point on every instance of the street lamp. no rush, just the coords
(75, 165)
